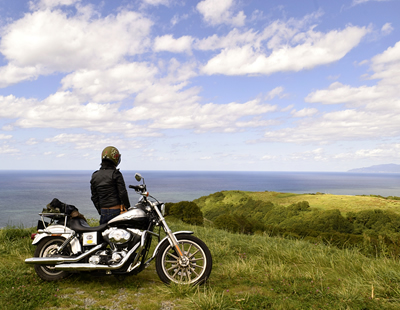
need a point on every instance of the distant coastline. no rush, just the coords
(23, 194)
(386, 168)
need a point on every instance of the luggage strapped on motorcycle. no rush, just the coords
(56, 211)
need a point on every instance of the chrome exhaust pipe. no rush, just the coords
(60, 260)
(88, 266)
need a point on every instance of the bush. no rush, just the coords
(332, 221)
(227, 222)
(187, 211)
(381, 222)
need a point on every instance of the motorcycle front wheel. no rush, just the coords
(194, 267)
(47, 248)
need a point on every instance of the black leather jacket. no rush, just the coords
(108, 188)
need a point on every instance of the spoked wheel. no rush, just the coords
(48, 248)
(194, 267)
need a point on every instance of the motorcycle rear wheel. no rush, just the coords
(194, 268)
(46, 248)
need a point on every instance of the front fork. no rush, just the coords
(173, 241)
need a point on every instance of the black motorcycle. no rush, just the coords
(122, 246)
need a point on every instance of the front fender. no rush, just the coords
(166, 240)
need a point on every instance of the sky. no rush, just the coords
(227, 85)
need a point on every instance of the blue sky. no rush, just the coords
(247, 85)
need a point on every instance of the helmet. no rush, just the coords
(111, 153)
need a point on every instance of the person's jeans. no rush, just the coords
(108, 214)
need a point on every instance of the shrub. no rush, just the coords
(227, 222)
(332, 221)
(187, 211)
(379, 221)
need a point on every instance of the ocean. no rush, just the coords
(23, 194)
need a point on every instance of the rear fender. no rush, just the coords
(58, 231)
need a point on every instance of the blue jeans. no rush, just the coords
(108, 214)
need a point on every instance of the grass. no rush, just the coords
(345, 203)
(249, 272)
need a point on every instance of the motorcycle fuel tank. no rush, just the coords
(135, 217)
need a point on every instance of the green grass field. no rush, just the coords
(329, 202)
(249, 272)
(345, 203)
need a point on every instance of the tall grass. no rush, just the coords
(20, 288)
(249, 272)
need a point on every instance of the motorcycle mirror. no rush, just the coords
(138, 177)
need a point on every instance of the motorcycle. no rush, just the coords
(120, 247)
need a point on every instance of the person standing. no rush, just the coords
(109, 194)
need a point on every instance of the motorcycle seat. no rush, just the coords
(81, 226)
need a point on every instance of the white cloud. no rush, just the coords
(289, 107)
(381, 97)
(32, 141)
(180, 110)
(220, 12)
(277, 91)
(315, 155)
(157, 2)
(5, 137)
(12, 107)
(387, 28)
(346, 125)
(112, 84)
(160, 105)
(257, 122)
(304, 112)
(339, 93)
(64, 110)
(7, 149)
(387, 66)
(304, 50)
(383, 152)
(44, 4)
(47, 41)
(178, 18)
(169, 44)
(268, 157)
(233, 39)
(11, 74)
(85, 141)
(357, 2)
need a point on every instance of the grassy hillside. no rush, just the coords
(249, 272)
(372, 224)
(344, 203)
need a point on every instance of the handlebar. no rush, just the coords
(138, 187)
(142, 190)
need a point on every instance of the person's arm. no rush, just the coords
(95, 196)
(122, 192)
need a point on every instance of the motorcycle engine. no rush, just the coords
(120, 241)
(117, 236)
(107, 257)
